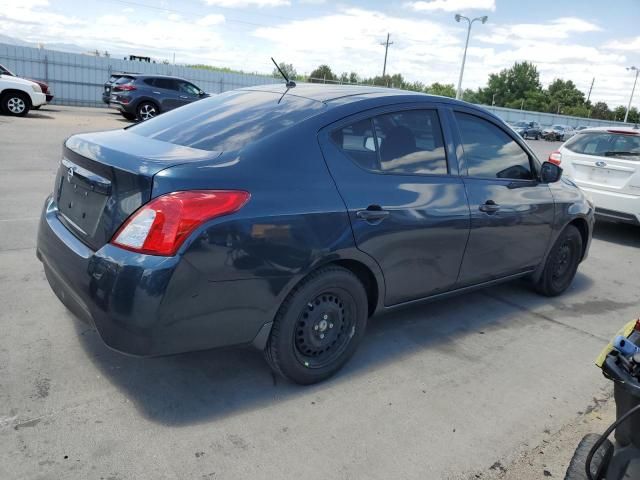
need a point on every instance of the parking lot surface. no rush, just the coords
(458, 388)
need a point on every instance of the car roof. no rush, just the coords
(147, 75)
(614, 129)
(327, 93)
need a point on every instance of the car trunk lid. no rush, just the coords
(615, 168)
(104, 177)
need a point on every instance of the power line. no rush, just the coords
(386, 50)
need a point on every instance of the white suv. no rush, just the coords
(605, 163)
(18, 96)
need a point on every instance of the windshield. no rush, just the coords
(606, 144)
(228, 121)
(5, 71)
(557, 127)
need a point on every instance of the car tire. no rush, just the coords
(128, 116)
(319, 326)
(577, 469)
(15, 104)
(146, 111)
(537, 137)
(561, 263)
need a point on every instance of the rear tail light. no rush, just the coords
(162, 225)
(555, 157)
(127, 87)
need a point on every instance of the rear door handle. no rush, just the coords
(372, 214)
(183, 96)
(489, 207)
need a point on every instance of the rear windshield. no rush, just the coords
(228, 121)
(123, 80)
(606, 144)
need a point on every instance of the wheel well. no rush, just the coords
(366, 276)
(583, 228)
(13, 90)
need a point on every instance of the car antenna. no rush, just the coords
(290, 83)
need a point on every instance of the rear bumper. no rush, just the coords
(49, 97)
(619, 207)
(147, 305)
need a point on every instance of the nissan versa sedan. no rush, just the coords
(285, 217)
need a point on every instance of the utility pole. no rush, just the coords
(386, 50)
(522, 105)
(591, 88)
(626, 115)
(493, 100)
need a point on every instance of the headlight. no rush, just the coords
(36, 88)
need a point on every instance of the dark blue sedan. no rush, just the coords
(285, 218)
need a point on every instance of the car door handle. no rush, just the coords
(489, 207)
(183, 96)
(372, 214)
(157, 93)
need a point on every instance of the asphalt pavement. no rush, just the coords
(459, 388)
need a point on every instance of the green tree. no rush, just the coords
(323, 72)
(288, 70)
(442, 89)
(566, 94)
(511, 85)
(354, 77)
(634, 115)
(601, 110)
(618, 112)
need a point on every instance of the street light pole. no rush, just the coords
(626, 115)
(459, 17)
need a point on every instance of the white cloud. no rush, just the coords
(628, 45)
(248, 3)
(209, 20)
(556, 29)
(451, 5)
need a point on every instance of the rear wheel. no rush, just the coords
(319, 326)
(146, 110)
(15, 104)
(577, 467)
(562, 263)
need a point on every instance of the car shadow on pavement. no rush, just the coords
(204, 386)
(620, 233)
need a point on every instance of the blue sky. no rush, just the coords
(570, 39)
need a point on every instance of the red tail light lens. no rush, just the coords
(162, 225)
(127, 87)
(555, 157)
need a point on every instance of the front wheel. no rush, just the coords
(577, 469)
(318, 326)
(562, 263)
(15, 104)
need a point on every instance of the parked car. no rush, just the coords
(581, 127)
(558, 133)
(144, 96)
(284, 219)
(528, 129)
(43, 86)
(106, 92)
(18, 96)
(605, 163)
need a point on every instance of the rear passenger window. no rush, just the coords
(149, 81)
(489, 152)
(408, 142)
(166, 83)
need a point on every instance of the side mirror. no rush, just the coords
(550, 172)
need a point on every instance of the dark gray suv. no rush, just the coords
(143, 97)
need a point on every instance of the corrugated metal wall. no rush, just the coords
(78, 79)
(513, 115)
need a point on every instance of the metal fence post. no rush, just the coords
(46, 69)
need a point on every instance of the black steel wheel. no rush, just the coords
(318, 327)
(562, 263)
